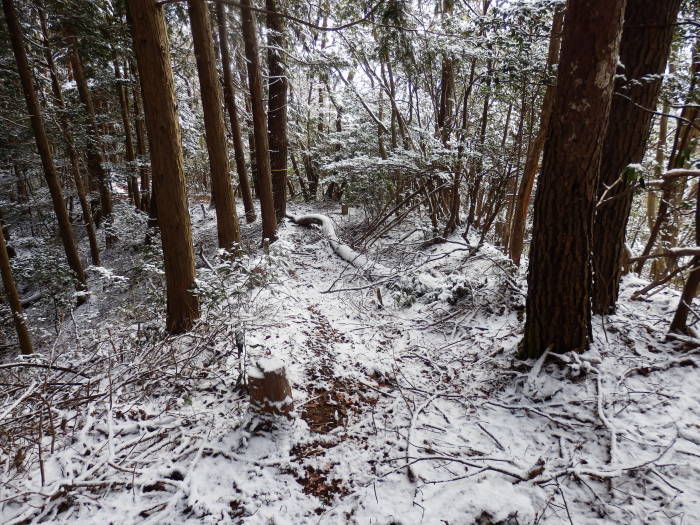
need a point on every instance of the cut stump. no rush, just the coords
(269, 388)
(344, 209)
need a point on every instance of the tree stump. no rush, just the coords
(344, 210)
(269, 388)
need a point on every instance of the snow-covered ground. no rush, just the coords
(410, 406)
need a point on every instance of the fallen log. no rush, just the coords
(372, 269)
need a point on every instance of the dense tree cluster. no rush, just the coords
(458, 112)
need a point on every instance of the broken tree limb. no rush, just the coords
(372, 269)
(671, 253)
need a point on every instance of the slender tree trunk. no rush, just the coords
(150, 38)
(680, 154)
(80, 185)
(230, 100)
(644, 49)
(128, 142)
(141, 145)
(558, 308)
(95, 161)
(517, 233)
(690, 290)
(25, 341)
(262, 148)
(652, 203)
(277, 106)
(226, 219)
(42, 142)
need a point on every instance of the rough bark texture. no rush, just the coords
(277, 107)
(42, 141)
(262, 148)
(215, 129)
(94, 152)
(644, 49)
(517, 231)
(230, 100)
(153, 57)
(558, 305)
(25, 341)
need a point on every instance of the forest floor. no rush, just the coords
(410, 406)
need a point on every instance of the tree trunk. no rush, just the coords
(682, 145)
(690, 290)
(42, 142)
(517, 231)
(262, 149)
(25, 341)
(277, 106)
(128, 141)
(652, 203)
(141, 146)
(80, 185)
(152, 50)
(644, 49)
(230, 100)
(95, 162)
(215, 130)
(558, 305)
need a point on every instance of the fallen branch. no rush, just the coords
(371, 269)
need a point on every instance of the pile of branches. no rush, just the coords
(84, 419)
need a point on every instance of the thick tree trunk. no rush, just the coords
(644, 49)
(80, 185)
(152, 50)
(558, 305)
(95, 162)
(230, 100)
(42, 142)
(277, 106)
(517, 231)
(215, 129)
(135, 193)
(262, 148)
(25, 341)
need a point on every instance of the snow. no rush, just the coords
(413, 411)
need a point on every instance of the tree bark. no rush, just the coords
(42, 142)
(558, 309)
(141, 146)
(644, 50)
(95, 161)
(277, 106)
(215, 130)
(128, 141)
(152, 50)
(690, 290)
(262, 148)
(25, 341)
(517, 233)
(80, 185)
(230, 100)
